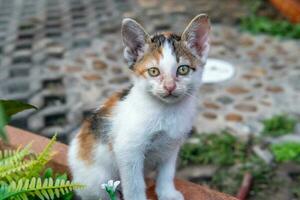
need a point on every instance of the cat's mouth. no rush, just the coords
(169, 98)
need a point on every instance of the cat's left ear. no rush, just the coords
(196, 36)
(134, 38)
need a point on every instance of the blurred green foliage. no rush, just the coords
(296, 188)
(260, 24)
(288, 151)
(229, 179)
(278, 125)
(220, 149)
(7, 109)
(233, 159)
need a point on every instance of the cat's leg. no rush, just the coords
(91, 174)
(92, 178)
(165, 188)
(130, 159)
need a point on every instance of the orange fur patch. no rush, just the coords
(110, 146)
(86, 142)
(110, 103)
(147, 61)
(167, 34)
(87, 139)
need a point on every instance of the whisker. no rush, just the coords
(191, 95)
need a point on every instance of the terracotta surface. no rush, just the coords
(289, 8)
(18, 137)
(191, 191)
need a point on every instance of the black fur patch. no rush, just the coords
(100, 124)
(193, 131)
(100, 121)
(125, 92)
(159, 39)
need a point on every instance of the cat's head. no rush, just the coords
(166, 65)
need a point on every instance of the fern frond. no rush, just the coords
(10, 173)
(15, 168)
(13, 157)
(42, 159)
(7, 153)
(47, 189)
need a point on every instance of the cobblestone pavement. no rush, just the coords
(66, 56)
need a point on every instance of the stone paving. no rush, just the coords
(66, 56)
(266, 82)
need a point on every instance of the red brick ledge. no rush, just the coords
(191, 191)
(289, 8)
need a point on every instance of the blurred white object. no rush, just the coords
(216, 71)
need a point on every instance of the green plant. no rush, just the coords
(279, 125)
(229, 179)
(7, 109)
(288, 151)
(260, 24)
(20, 176)
(220, 149)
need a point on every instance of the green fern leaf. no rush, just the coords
(10, 173)
(44, 157)
(6, 153)
(11, 157)
(18, 176)
(46, 189)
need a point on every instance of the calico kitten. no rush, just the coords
(143, 127)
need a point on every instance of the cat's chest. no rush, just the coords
(162, 139)
(169, 125)
(143, 120)
(161, 143)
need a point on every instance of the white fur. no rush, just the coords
(168, 60)
(147, 134)
(92, 176)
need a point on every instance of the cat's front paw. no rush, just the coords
(170, 195)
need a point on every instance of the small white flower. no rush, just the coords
(110, 185)
(116, 185)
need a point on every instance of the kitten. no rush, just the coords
(142, 128)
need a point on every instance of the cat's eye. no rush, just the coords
(153, 71)
(183, 70)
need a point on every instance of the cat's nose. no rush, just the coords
(170, 86)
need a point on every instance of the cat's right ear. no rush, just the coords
(134, 39)
(196, 36)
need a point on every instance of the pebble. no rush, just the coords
(234, 117)
(211, 105)
(246, 107)
(235, 90)
(225, 100)
(274, 89)
(209, 115)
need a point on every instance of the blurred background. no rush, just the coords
(65, 57)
